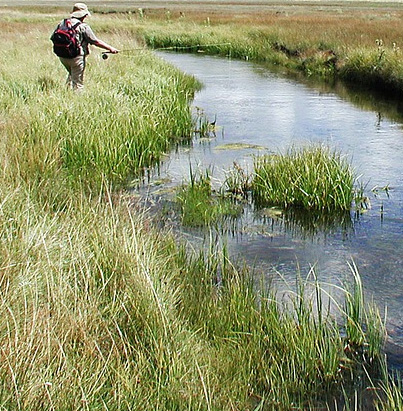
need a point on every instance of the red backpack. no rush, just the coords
(65, 39)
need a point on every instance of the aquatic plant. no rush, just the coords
(203, 126)
(200, 206)
(314, 178)
(237, 181)
(365, 330)
(291, 348)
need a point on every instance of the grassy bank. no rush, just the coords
(361, 47)
(99, 309)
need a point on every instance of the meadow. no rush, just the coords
(353, 46)
(100, 307)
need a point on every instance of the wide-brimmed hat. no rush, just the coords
(80, 10)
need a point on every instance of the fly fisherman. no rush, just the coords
(79, 36)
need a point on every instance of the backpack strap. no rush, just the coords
(77, 24)
(74, 26)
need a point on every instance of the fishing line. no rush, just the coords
(105, 53)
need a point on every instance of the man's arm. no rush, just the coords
(103, 45)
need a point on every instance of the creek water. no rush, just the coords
(258, 110)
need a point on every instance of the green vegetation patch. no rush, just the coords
(356, 47)
(282, 353)
(200, 206)
(314, 178)
(239, 146)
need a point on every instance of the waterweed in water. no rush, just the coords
(237, 181)
(239, 146)
(201, 206)
(271, 190)
(203, 127)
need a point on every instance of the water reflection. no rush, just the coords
(309, 225)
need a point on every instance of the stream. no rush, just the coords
(258, 110)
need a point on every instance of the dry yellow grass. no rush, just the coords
(352, 23)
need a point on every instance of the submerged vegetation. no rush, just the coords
(99, 309)
(200, 206)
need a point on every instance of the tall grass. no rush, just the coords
(86, 320)
(378, 67)
(314, 178)
(99, 309)
(115, 132)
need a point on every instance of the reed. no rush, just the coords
(314, 178)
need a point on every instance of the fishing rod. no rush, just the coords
(105, 53)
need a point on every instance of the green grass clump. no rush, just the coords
(313, 178)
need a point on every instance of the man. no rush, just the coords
(85, 36)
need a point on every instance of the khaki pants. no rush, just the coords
(75, 68)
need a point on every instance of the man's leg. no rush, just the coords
(66, 64)
(77, 73)
(75, 67)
